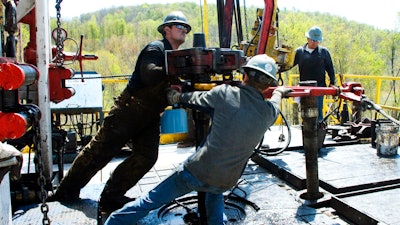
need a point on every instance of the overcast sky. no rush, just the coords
(383, 14)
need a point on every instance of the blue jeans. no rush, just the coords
(176, 185)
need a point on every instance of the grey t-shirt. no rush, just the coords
(240, 118)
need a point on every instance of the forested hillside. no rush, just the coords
(117, 35)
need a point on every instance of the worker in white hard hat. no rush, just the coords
(314, 61)
(240, 117)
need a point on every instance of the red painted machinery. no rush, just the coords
(352, 91)
(57, 72)
(16, 119)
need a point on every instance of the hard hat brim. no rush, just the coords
(307, 34)
(161, 27)
(269, 75)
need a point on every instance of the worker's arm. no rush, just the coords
(152, 66)
(329, 68)
(277, 95)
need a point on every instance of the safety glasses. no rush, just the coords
(181, 27)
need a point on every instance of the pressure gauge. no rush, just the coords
(63, 34)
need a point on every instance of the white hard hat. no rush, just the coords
(264, 64)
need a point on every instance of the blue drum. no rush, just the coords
(174, 121)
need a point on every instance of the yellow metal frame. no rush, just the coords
(375, 97)
(292, 80)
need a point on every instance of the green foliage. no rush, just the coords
(354, 47)
(118, 34)
(124, 31)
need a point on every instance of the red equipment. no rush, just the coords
(71, 56)
(198, 63)
(57, 75)
(15, 124)
(12, 76)
(15, 119)
(266, 25)
(352, 91)
(58, 90)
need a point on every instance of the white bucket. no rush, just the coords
(387, 139)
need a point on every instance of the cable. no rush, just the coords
(266, 150)
(127, 76)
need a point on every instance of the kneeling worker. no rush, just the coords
(240, 117)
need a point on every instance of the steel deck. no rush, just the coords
(359, 188)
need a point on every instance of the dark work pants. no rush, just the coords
(130, 118)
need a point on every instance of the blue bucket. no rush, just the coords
(174, 121)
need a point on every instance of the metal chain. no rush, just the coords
(59, 42)
(39, 170)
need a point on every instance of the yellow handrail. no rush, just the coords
(377, 88)
(376, 92)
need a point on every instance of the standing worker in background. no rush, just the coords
(135, 116)
(240, 117)
(314, 60)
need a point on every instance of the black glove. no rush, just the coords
(283, 91)
(172, 96)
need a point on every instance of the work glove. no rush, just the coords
(173, 96)
(10, 161)
(282, 90)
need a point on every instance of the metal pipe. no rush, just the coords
(13, 76)
(309, 114)
(43, 60)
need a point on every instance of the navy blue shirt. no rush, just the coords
(149, 79)
(312, 66)
(150, 66)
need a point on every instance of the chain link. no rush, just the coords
(59, 42)
(39, 170)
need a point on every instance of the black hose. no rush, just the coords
(271, 152)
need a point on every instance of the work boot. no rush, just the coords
(62, 197)
(110, 204)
